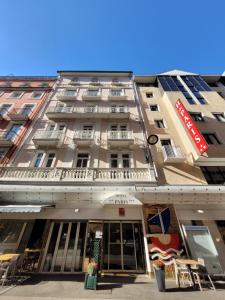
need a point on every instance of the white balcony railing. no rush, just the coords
(48, 135)
(84, 134)
(67, 95)
(76, 174)
(120, 135)
(87, 109)
(172, 154)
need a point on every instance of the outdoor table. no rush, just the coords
(188, 262)
(7, 256)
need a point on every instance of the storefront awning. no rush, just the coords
(22, 208)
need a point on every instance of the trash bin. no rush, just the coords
(90, 282)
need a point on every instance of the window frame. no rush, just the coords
(35, 98)
(215, 114)
(149, 93)
(195, 114)
(163, 122)
(157, 105)
(212, 135)
(19, 97)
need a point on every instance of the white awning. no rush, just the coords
(22, 208)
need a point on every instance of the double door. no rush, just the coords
(64, 249)
(123, 247)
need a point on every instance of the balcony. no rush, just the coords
(7, 138)
(84, 138)
(120, 138)
(92, 95)
(172, 154)
(20, 114)
(77, 175)
(48, 138)
(67, 95)
(116, 95)
(86, 112)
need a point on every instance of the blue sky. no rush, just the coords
(145, 36)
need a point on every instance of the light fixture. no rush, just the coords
(200, 211)
(76, 210)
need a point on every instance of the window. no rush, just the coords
(171, 83)
(2, 153)
(82, 160)
(93, 92)
(197, 117)
(91, 108)
(27, 109)
(154, 107)
(25, 84)
(168, 148)
(214, 175)
(4, 109)
(118, 108)
(70, 93)
(36, 95)
(13, 132)
(149, 95)
(44, 84)
(211, 138)
(38, 160)
(219, 116)
(15, 94)
(114, 161)
(116, 92)
(49, 160)
(125, 160)
(160, 123)
(120, 160)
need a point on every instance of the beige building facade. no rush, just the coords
(195, 182)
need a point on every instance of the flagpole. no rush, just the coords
(161, 222)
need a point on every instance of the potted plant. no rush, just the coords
(159, 268)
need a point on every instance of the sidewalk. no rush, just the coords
(56, 287)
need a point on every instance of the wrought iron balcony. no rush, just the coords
(92, 95)
(77, 175)
(67, 95)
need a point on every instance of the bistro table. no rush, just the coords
(189, 263)
(7, 256)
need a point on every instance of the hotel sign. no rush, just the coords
(192, 129)
(122, 199)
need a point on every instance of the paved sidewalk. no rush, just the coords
(56, 287)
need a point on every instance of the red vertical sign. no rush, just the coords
(192, 129)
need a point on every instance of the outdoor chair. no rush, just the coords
(200, 274)
(182, 274)
(8, 270)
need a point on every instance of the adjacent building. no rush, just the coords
(21, 99)
(194, 182)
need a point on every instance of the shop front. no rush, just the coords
(64, 236)
(203, 231)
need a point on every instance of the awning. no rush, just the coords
(22, 208)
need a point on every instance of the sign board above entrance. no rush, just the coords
(122, 199)
(192, 129)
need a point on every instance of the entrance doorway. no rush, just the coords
(64, 249)
(123, 247)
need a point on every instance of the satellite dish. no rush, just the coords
(153, 139)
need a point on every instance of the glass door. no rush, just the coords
(64, 248)
(123, 247)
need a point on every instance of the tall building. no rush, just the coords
(78, 177)
(21, 99)
(186, 112)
